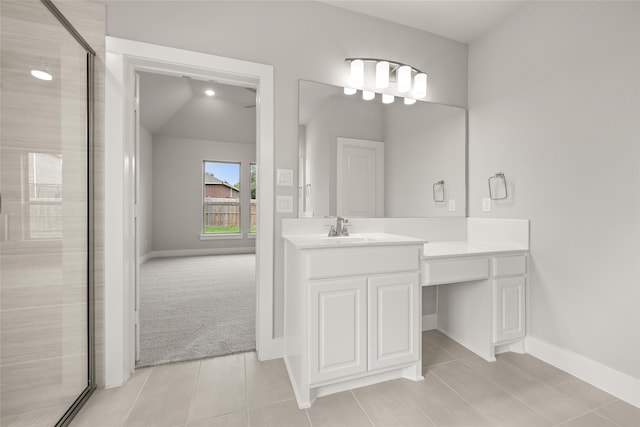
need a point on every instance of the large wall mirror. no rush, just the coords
(362, 158)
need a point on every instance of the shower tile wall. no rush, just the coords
(43, 300)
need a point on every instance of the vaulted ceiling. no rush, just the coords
(179, 107)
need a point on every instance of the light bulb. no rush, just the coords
(42, 75)
(209, 92)
(409, 101)
(382, 74)
(349, 91)
(357, 73)
(387, 99)
(368, 95)
(420, 85)
(404, 78)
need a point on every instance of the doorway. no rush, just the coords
(195, 221)
(124, 58)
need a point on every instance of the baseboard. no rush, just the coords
(621, 385)
(144, 258)
(429, 322)
(207, 251)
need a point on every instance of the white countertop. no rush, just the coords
(464, 248)
(315, 241)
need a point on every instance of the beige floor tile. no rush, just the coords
(164, 399)
(340, 409)
(441, 340)
(441, 404)
(544, 399)
(220, 389)
(488, 399)
(589, 420)
(386, 405)
(237, 419)
(586, 394)
(110, 407)
(621, 413)
(267, 382)
(283, 414)
(432, 354)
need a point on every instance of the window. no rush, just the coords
(221, 198)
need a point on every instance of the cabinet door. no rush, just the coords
(393, 320)
(338, 334)
(509, 309)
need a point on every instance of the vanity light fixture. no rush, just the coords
(42, 75)
(408, 80)
(387, 99)
(209, 92)
(368, 95)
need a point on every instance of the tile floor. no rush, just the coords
(460, 389)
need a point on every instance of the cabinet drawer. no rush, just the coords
(362, 261)
(509, 266)
(441, 271)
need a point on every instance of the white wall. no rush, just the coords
(145, 195)
(177, 192)
(554, 104)
(424, 143)
(302, 40)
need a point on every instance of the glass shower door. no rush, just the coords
(44, 216)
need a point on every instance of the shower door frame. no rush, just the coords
(90, 55)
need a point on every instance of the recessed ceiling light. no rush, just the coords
(42, 75)
(209, 92)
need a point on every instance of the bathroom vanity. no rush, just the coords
(352, 311)
(353, 314)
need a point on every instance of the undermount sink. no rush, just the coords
(308, 241)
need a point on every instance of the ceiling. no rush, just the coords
(460, 20)
(178, 106)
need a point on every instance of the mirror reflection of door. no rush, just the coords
(360, 178)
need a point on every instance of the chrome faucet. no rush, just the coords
(340, 229)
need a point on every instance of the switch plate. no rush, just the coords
(284, 204)
(284, 177)
(452, 205)
(486, 204)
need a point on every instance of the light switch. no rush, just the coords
(452, 205)
(486, 204)
(284, 177)
(284, 204)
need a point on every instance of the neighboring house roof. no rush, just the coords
(212, 180)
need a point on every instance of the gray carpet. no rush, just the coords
(196, 307)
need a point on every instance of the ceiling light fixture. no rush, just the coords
(209, 92)
(42, 75)
(408, 80)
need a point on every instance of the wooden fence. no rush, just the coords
(225, 212)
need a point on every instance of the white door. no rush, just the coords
(136, 220)
(360, 178)
(393, 326)
(338, 329)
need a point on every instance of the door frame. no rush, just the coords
(123, 59)
(378, 147)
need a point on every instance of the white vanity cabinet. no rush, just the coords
(509, 298)
(352, 316)
(481, 297)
